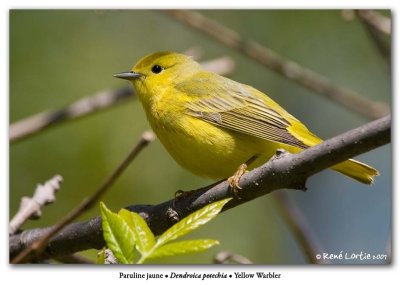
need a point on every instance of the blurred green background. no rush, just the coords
(59, 56)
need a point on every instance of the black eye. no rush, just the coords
(156, 69)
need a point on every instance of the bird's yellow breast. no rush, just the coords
(208, 150)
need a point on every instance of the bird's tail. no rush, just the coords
(357, 170)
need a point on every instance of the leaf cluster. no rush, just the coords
(130, 239)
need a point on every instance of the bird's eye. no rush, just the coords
(156, 69)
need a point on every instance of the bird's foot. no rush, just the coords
(235, 179)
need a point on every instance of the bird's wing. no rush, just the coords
(234, 106)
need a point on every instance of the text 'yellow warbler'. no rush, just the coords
(211, 124)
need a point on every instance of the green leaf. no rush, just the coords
(144, 237)
(183, 247)
(118, 236)
(191, 222)
(101, 256)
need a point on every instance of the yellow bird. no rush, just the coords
(211, 125)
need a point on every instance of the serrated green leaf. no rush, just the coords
(191, 222)
(183, 247)
(101, 256)
(118, 236)
(145, 239)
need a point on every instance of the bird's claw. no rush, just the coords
(235, 179)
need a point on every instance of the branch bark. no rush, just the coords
(300, 228)
(283, 171)
(376, 20)
(31, 208)
(379, 29)
(88, 105)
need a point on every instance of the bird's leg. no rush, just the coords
(235, 178)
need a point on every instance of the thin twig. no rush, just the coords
(224, 65)
(36, 247)
(109, 257)
(300, 227)
(91, 104)
(376, 20)
(227, 257)
(196, 52)
(74, 259)
(289, 69)
(389, 249)
(30, 208)
(285, 171)
(379, 30)
(80, 108)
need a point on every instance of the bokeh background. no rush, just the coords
(60, 56)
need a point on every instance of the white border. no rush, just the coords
(290, 275)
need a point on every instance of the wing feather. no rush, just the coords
(231, 105)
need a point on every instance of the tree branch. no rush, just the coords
(73, 259)
(227, 257)
(376, 20)
(283, 171)
(34, 124)
(30, 208)
(287, 68)
(300, 228)
(379, 29)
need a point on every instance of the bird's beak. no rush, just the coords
(128, 75)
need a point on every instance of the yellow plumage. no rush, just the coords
(211, 124)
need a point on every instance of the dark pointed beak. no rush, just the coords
(128, 75)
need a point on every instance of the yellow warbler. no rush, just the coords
(211, 124)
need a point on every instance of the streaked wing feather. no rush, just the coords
(229, 104)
